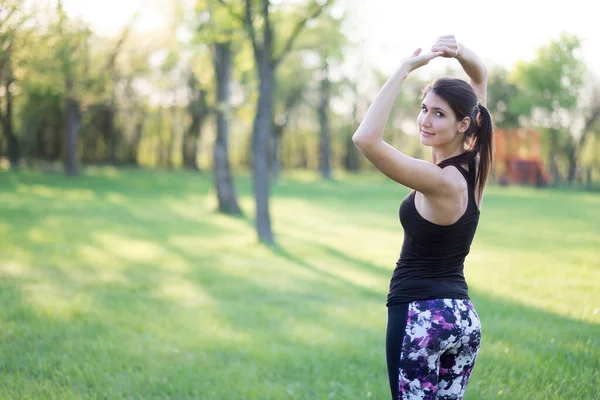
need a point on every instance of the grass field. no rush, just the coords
(127, 285)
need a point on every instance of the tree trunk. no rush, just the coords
(226, 194)
(13, 152)
(572, 158)
(578, 144)
(160, 150)
(112, 134)
(191, 142)
(325, 141)
(260, 141)
(352, 156)
(266, 63)
(276, 153)
(137, 139)
(304, 161)
(189, 147)
(173, 128)
(73, 124)
(588, 177)
(554, 171)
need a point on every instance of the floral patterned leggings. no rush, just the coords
(431, 348)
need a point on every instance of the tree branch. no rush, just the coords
(245, 20)
(231, 11)
(590, 122)
(296, 32)
(592, 118)
(10, 10)
(249, 24)
(110, 61)
(268, 30)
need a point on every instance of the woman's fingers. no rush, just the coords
(442, 49)
(446, 50)
(417, 59)
(433, 55)
(445, 43)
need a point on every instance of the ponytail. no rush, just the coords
(483, 144)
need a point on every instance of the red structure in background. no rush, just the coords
(517, 158)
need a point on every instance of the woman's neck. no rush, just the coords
(440, 154)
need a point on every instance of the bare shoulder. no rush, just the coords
(445, 207)
(455, 179)
(452, 191)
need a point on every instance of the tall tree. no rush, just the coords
(323, 111)
(198, 110)
(589, 116)
(223, 179)
(109, 78)
(549, 86)
(72, 51)
(501, 98)
(217, 30)
(261, 31)
(293, 81)
(133, 108)
(590, 157)
(11, 19)
(330, 56)
(352, 157)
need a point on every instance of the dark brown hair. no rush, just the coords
(479, 136)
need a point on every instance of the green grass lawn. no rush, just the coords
(127, 285)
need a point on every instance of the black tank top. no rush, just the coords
(432, 258)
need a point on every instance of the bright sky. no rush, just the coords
(501, 32)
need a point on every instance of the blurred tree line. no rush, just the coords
(254, 85)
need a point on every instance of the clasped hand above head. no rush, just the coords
(445, 46)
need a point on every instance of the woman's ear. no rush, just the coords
(464, 124)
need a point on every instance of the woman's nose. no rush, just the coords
(426, 121)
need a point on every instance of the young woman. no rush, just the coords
(434, 333)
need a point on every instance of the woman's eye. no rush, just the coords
(439, 114)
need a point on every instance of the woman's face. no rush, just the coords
(437, 122)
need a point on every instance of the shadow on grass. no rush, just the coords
(532, 353)
(133, 183)
(136, 344)
(280, 251)
(290, 329)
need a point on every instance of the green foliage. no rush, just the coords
(150, 69)
(590, 154)
(214, 22)
(328, 26)
(502, 98)
(41, 119)
(552, 81)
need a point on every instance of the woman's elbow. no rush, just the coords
(361, 137)
(362, 143)
(358, 140)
